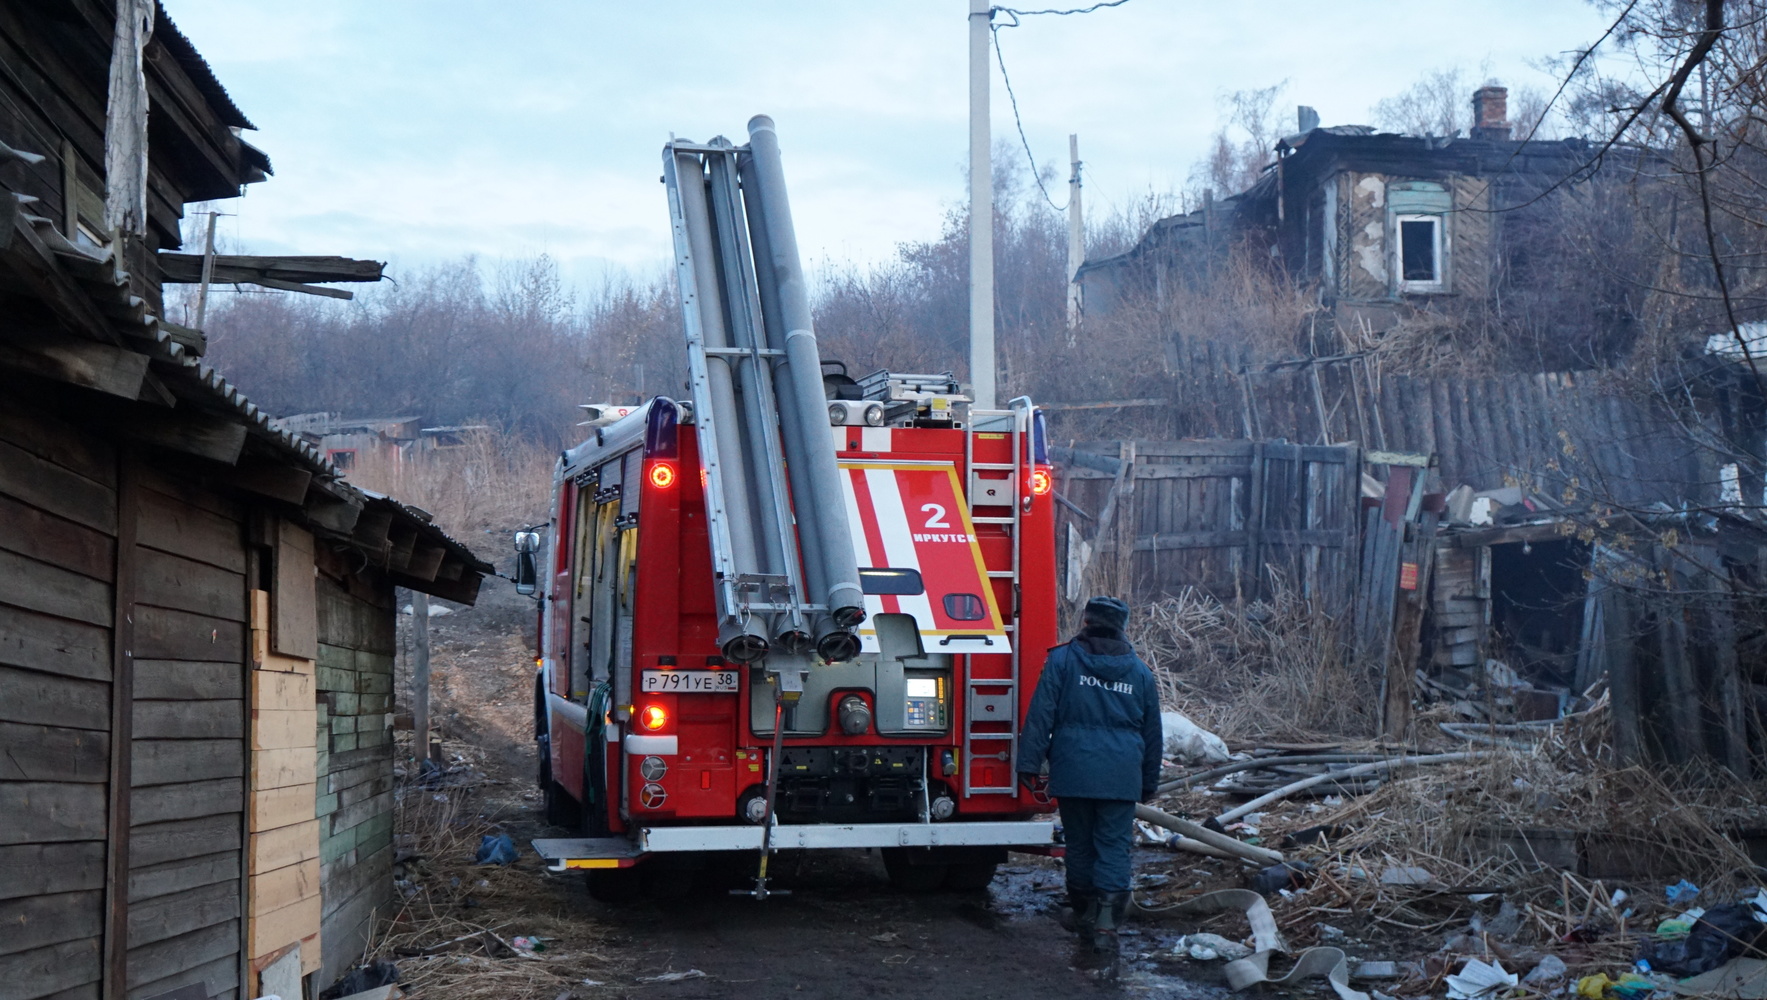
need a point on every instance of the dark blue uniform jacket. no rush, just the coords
(1096, 717)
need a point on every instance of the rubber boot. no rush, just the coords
(1113, 909)
(1085, 903)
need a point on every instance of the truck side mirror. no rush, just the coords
(527, 572)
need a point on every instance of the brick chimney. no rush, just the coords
(1491, 114)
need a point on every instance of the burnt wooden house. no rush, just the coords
(196, 609)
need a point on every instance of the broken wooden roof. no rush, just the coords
(146, 381)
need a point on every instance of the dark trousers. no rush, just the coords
(1099, 834)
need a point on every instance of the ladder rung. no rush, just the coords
(990, 520)
(994, 466)
(1001, 574)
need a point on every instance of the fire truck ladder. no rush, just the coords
(991, 697)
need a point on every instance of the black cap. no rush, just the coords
(1107, 611)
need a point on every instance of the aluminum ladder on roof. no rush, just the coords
(988, 491)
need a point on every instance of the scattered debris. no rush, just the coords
(496, 849)
(1477, 980)
(673, 977)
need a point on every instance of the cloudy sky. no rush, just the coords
(423, 131)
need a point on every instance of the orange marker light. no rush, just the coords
(662, 475)
(653, 717)
(1041, 480)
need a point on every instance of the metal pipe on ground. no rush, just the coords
(1212, 773)
(803, 368)
(1207, 837)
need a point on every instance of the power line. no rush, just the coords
(1018, 121)
(1000, 58)
(1063, 13)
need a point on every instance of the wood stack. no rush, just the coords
(283, 897)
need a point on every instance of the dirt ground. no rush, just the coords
(842, 931)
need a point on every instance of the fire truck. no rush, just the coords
(795, 610)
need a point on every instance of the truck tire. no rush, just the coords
(970, 876)
(909, 877)
(615, 886)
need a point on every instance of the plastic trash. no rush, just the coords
(1288, 875)
(673, 977)
(1548, 975)
(1717, 936)
(1191, 743)
(1594, 987)
(1208, 947)
(1681, 892)
(496, 849)
(1478, 980)
(1678, 926)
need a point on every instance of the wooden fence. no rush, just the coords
(1228, 517)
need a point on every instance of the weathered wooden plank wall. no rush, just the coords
(188, 740)
(58, 498)
(355, 683)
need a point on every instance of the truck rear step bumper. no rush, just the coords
(618, 852)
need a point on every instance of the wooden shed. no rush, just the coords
(196, 609)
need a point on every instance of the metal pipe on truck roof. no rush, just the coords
(845, 599)
(740, 640)
(791, 426)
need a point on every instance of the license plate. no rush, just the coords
(689, 681)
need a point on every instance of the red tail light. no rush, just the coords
(662, 475)
(653, 717)
(1042, 480)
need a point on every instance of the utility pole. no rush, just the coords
(208, 275)
(1076, 238)
(981, 211)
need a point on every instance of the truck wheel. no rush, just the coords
(969, 876)
(615, 886)
(909, 877)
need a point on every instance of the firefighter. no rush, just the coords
(1096, 718)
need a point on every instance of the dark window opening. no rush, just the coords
(343, 458)
(965, 608)
(879, 580)
(1417, 250)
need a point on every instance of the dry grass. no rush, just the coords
(452, 934)
(492, 482)
(1268, 671)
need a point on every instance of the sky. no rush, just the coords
(421, 131)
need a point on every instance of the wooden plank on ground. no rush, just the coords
(48, 753)
(43, 812)
(189, 720)
(40, 869)
(54, 645)
(271, 849)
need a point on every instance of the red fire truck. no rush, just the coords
(797, 610)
